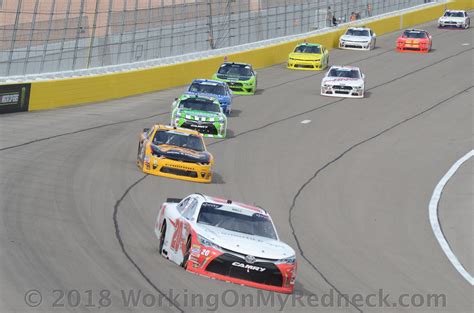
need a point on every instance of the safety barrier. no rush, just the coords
(87, 89)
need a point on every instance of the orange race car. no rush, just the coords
(414, 40)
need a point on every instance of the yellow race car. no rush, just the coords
(175, 153)
(308, 57)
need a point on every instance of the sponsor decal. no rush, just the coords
(14, 98)
(195, 250)
(249, 267)
(180, 167)
(199, 125)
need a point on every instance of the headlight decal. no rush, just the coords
(289, 260)
(206, 242)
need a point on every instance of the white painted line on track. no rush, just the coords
(433, 207)
(305, 122)
(466, 44)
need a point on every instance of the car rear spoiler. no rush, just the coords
(173, 200)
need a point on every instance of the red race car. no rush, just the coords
(414, 40)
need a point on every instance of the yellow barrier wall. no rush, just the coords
(461, 5)
(422, 16)
(59, 93)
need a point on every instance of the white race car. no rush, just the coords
(343, 81)
(225, 240)
(358, 38)
(454, 18)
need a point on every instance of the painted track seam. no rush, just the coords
(434, 219)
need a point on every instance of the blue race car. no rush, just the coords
(212, 88)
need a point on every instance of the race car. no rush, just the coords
(240, 77)
(414, 40)
(175, 153)
(201, 113)
(454, 18)
(212, 88)
(343, 81)
(225, 240)
(308, 56)
(358, 38)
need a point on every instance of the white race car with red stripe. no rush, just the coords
(343, 81)
(225, 240)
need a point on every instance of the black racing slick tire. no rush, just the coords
(184, 264)
(162, 238)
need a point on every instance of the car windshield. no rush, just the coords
(308, 49)
(207, 88)
(199, 105)
(172, 138)
(414, 34)
(347, 73)
(454, 14)
(224, 217)
(357, 32)
(235, 70)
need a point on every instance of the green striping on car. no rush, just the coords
(200, 113)
(240, 77)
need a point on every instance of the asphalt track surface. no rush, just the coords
(349, 190)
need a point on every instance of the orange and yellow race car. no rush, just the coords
(175, 153)
(414, 40)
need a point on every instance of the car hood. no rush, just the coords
(305, 56)
(452, 18)
(256, 246)
(199, 94)
(195, 114)
(233, 78)
(182, 154)
(356, 38)
(413, 40)
(343, 81)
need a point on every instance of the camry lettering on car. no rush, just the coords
(249, 267)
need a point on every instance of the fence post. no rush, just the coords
(66, 27)
(78, 34)
(15, 28)
(173, 11)
(94, 25)
(32, 33)
(122, 29)
(162, 14)
(50, 23)
(133, 53)
(148, 30)
(105, 49)
(209, 21)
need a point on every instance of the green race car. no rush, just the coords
(200, 113)
(240, 77)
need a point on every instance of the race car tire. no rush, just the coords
(138, 151)
(162, 238)
(468, 24)
(138, 154)
(184, 264)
